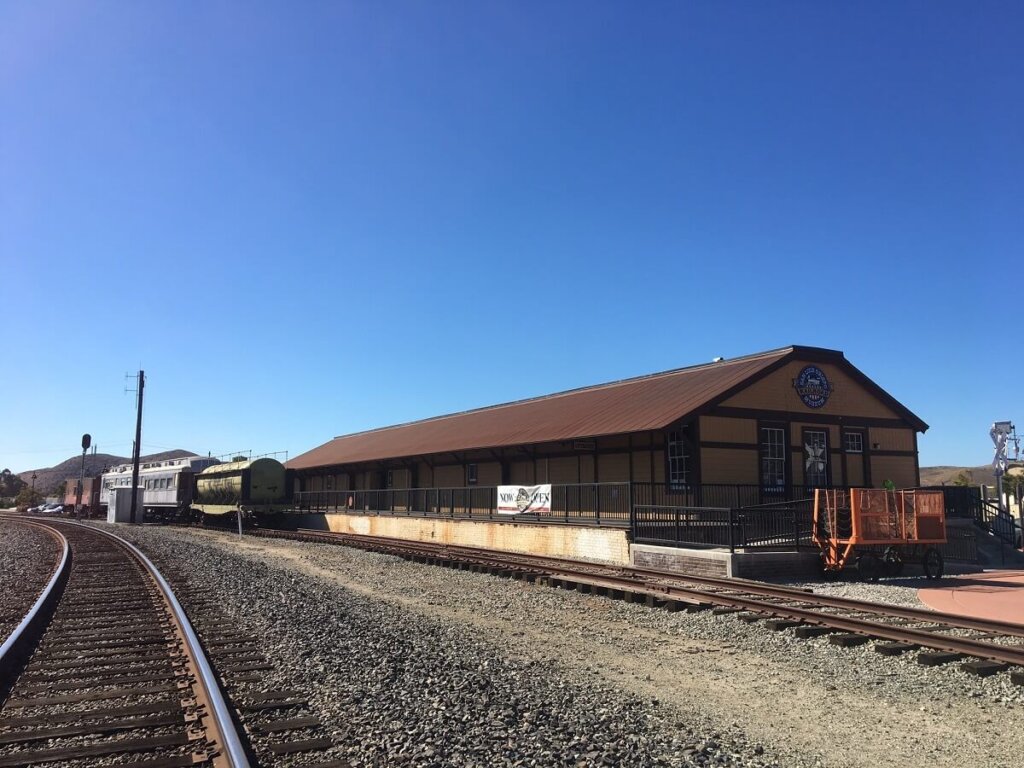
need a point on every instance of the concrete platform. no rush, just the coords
(721, 563)
(597, 544)
(997, 595)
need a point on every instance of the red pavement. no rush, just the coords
(997, 595)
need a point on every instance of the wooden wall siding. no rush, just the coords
(796, 434)
(522, 473)
(613, 467)
(891, 439)
(563, 469)
(425, 475)
(587, 468)
(855, 469)
(452, 476)
(489, 473)
(719, 429)
(775, 392)
(902, 470)
(642, 466)
(659, 466)
(728, 465)
(609, 442)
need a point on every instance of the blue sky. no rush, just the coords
(304, 220)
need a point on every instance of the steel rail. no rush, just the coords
(955, 621)
(38, 615)
(623, 578)
(224, 731)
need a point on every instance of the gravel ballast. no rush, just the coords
(28, 557)
(418, 665)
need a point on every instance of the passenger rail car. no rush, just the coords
(165, 486)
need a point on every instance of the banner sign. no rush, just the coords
(517, 499)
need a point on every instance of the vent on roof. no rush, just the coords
(718, 360)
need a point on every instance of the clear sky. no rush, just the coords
(308, 219)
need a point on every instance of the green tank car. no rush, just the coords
(259, 485)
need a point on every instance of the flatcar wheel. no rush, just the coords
(933, 564)
(869, 567)
(893, 561)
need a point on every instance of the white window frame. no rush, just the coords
(773, 454)
(846, 442)
(677, 454)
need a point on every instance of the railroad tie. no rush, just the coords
(847, 641)
(894, 649)
(937, 658)
(983, 668)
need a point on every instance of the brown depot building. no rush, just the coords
(750, 430)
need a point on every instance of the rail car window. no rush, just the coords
(773, 457)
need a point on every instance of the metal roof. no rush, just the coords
(631, 405)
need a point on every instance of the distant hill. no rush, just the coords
(50, 478)
(947, 475)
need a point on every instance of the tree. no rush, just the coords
(28, 498)
(10, 483)
(240, 458)
(963, 479)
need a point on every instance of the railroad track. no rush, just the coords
(986, 647)
(106, 667)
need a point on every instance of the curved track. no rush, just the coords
(998, 644)
(107, 665)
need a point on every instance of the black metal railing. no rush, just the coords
(580, 503)
(961, 501)
(961, 545)
(785, 525)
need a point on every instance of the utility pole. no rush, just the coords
(137, 447)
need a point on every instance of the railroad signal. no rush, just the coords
(86, 441)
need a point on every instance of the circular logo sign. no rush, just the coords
(812, 386)
(523, 499)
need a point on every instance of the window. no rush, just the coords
(678, 460)
(853, 442)
(815, 458)
(389, 479)
(773, 457)
(471, 475)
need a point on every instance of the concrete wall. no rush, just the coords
(603, 545)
